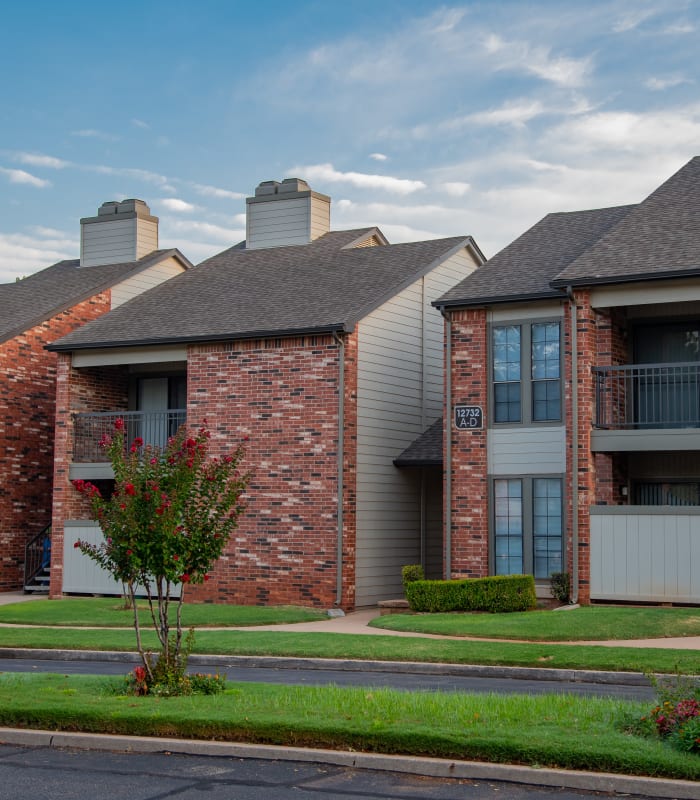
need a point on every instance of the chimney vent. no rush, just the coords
(121, 231)
(286, 213)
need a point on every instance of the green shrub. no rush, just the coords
(412, 572)
(498, 594)
(560, 586)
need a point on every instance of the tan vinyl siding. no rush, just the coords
(400, 385)
(279, 223)
(320, 217)
(527, 451)
(118, 241)
(145, 280)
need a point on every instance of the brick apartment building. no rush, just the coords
(323, 347)
(572, 435)
(119, 258)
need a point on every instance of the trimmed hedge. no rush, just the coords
(499, 594)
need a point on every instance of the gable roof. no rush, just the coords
(657, 238)
(326, 285)
(425, 451)
(57, 288)
(524, 269)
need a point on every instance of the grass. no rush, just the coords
(553, 730)
(374, 647)
(109, 612)
(591, 623)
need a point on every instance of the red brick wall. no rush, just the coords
(27, 410)
(587, 347)
(92, 389)
(469, 468)
(283, 395)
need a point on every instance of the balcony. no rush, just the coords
(647, 407)
(154, 427)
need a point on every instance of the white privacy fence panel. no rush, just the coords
(645, 553)
(82, 575)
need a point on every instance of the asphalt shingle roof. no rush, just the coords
(40, 296)
(658, 238)
(325, 285)
(525, 268)
(425, 451)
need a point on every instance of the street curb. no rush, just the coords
(350, 665)
(429, 767)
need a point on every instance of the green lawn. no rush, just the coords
(591, 623)
(109, 612)
(373, 647)
(553, 730)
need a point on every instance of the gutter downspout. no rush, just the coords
(341, 458)
(448, 444)
(574, 445)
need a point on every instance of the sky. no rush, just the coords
(423, 118)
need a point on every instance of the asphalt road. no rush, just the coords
(30, 772)
(320, 677)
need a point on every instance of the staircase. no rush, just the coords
(37, 562)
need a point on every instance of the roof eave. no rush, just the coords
(490, 300)
(631, 278)
(223, 337)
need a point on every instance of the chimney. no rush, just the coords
(120, 232)
(286, 213)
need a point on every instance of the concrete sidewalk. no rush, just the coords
(358, 622)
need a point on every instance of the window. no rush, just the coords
(527, 526)
(506, 373)
(526, 372)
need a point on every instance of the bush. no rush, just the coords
(560, 586)
(676, 717)
(499, 594)
(412, 572)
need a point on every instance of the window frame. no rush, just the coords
(526, 381)
(527, 484)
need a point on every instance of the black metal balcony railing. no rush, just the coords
(648, 396)
(154, 427)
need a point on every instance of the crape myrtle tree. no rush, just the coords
(167, 522)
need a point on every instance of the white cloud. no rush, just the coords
(26, 178)
(667, 131)
(659, 84)
(326, 173)
(521, 56)
(215, 191)
(680, 28)
(137, 174)
(139, 123)
(176, 205)
(456, 188)
(632, 19)
(92, 133)
(208, 230)
(514, 112)
(40, 160)
(378, 156)
(22, 255)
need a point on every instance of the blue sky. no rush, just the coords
(425, 119)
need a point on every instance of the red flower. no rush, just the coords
(77, 544)
(206, 577)
(122, 506)
(129, 488)
(185, 578)
(138, 442)
(176, 557)
(130, 552)
(118, 424)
